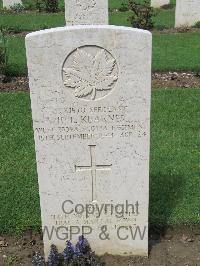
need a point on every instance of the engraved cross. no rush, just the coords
(93, 168)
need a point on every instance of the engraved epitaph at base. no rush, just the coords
(92, 150)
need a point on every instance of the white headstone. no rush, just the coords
(187, 12)
(90, 96)
(8, 3)
(159, 3)
(86, 12)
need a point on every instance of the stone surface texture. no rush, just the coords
(87, 12)
(159, 3)
(187, 12)
(9, 3)
(90, 96)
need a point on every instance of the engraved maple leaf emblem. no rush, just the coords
(90, 73)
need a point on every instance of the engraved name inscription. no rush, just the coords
(90, 123)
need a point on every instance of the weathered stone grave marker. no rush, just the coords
(10, 3)
(79, 12)
(187, 13)
(159, 3)
(90, 95)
